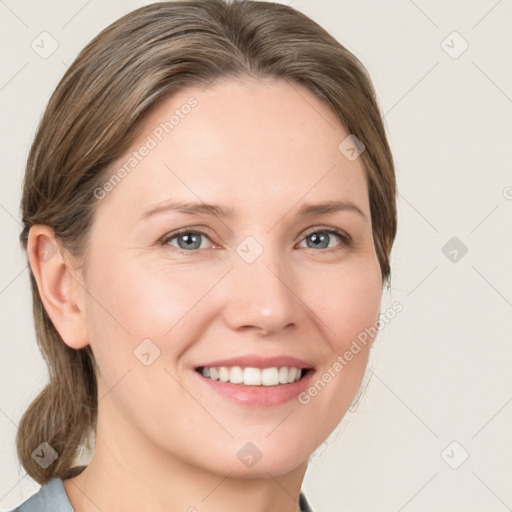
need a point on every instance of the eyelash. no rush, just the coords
(345, 239)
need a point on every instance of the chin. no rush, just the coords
(261, 456)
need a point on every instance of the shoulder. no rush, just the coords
(51, 497)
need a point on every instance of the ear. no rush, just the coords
(59, 284)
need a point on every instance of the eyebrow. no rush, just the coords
(201, 208)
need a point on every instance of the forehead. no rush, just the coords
(251, 143)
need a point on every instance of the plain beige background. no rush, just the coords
(440, 387)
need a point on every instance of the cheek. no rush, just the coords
(144, 298)
(348, 302)
(130, 302)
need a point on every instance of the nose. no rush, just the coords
(261, 295)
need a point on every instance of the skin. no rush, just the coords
(163, 442)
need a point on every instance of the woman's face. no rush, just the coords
(263, 287)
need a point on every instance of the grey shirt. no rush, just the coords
(52, 497)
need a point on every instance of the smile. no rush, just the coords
(249, 376)
(253, 380)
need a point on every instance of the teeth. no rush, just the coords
(283, 375)
(223, 374)
(253, 376)
(236, 375)
(270, 376)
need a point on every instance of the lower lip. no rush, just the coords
(258, 396)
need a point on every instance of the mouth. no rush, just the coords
(254, 381)
(250, 376)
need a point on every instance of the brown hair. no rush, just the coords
(95, 113)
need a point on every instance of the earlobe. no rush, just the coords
(56, 282)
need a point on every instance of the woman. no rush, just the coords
(209, 211)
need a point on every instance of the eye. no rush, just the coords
(187, 240)
(322, 238)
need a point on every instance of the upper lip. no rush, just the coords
(255, 361)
